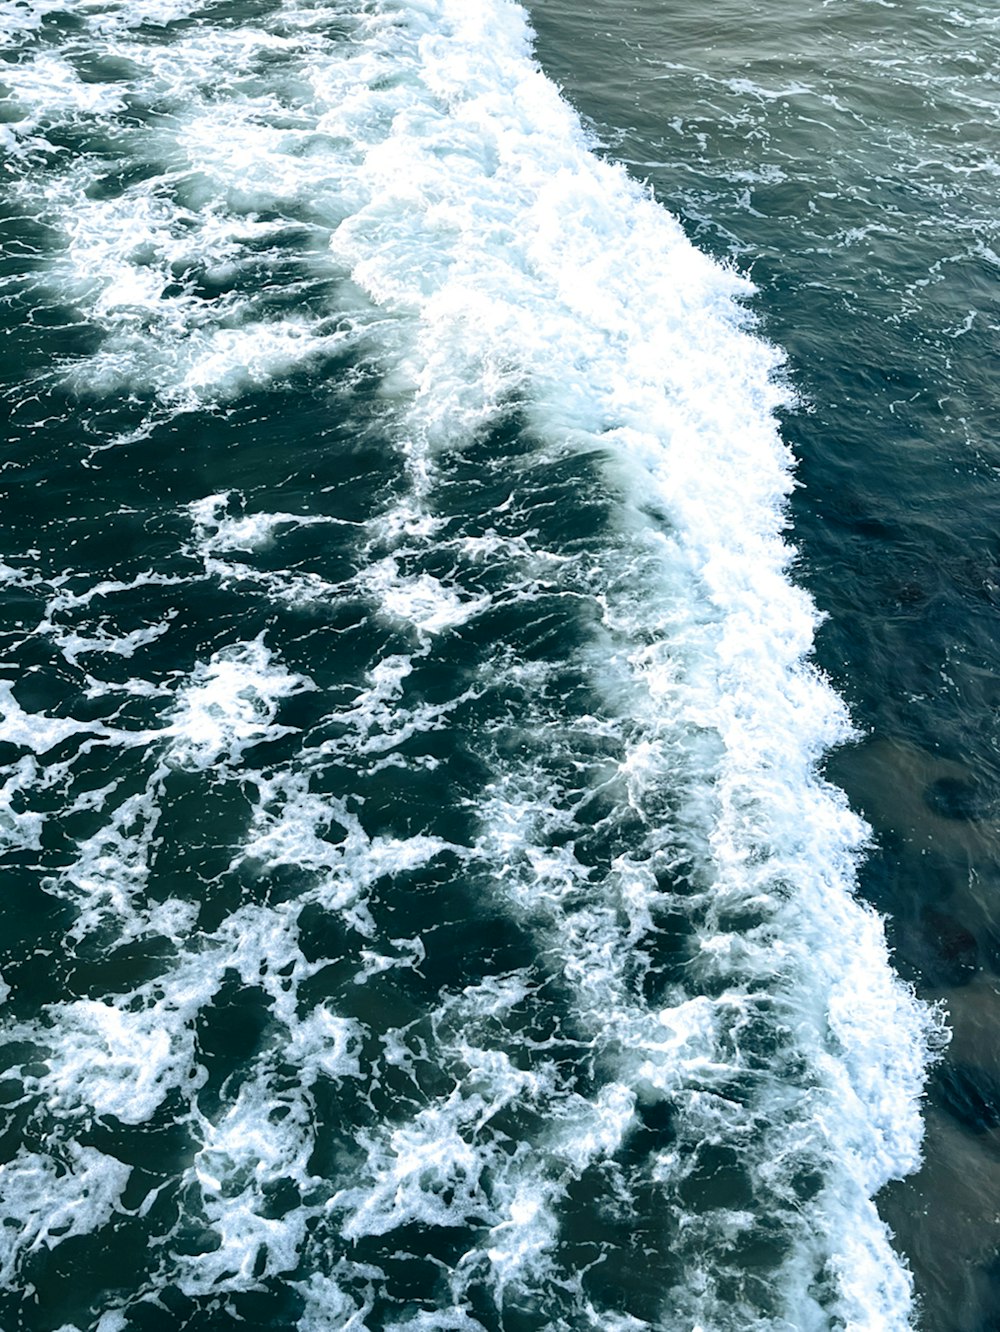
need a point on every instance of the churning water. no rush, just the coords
(426, 904)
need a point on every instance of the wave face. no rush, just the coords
(426, 907)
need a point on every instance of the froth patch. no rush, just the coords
(423, 601)
(45, 1201)
(504, 267)
(19, 828)
(127, 1060)
(324, 839)
(184, 273)
(216, 531)
(37, 731)
(47, 86)
(230, 704)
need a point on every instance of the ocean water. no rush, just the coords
(498, 750)
(845, 155)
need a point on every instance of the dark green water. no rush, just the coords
(424, 903)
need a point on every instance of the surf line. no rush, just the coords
(521, 265)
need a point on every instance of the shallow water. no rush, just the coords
(425, 905)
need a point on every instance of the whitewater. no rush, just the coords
(432, 912)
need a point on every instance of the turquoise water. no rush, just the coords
(431, 897)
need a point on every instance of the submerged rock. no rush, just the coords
(951, 954)
(957, 798)
(969, 1094)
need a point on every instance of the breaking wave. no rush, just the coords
(422, 788)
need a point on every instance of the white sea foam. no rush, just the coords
(133, 259)
(216, 531)
(505, 259)
(325, 839)
(64, 599)
(126, 1059)
(218, 535)
(230, 704)
(35, 730)
(44, 1201)
(423, 601)
(19, 827)
(109, 875)
(265, 1136)
(50, 86)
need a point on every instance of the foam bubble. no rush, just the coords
(44, 1201)
(425, 602)
(128, 1060)
(230, 704)
(215, 531)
